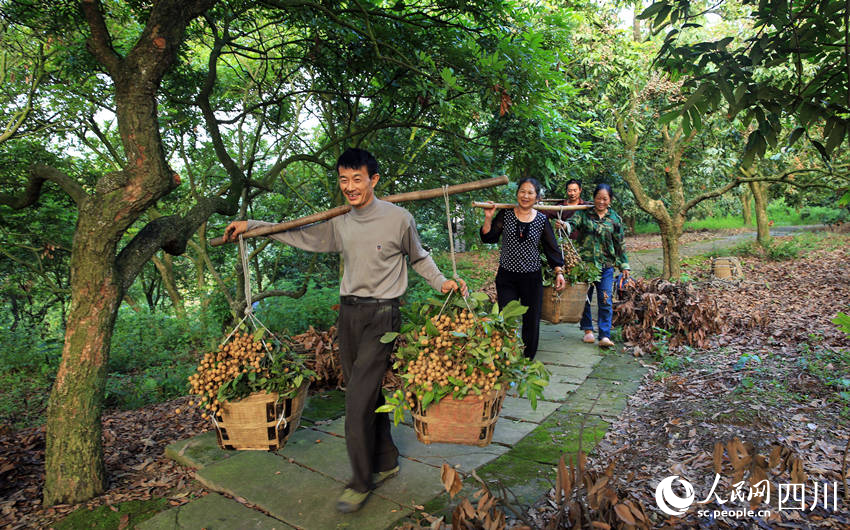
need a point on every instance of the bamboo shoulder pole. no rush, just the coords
(340, 210)
(540, 207)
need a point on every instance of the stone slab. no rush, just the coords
(576, 357)
(463, 457)
(527, 480)
(294, 494)
(601, 396)
(520, 409)
(556, 391)
(335, 427)
(198, 451)
(508, 432)
(327, 405)
(318, 451)
(619, 367)
(213, 512)
(562, 433)
(569, 374)
(415, 484)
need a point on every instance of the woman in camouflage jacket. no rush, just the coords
(601, 243)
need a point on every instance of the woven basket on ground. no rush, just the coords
(468, 421)
(565, 306)
(726, 267)
(262, 421)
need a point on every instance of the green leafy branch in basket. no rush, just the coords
(581, 272)
(456, 347)
(245, 364)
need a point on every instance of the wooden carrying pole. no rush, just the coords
(541, 207)
(339, 210)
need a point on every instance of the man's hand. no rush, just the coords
(560, 282)
(231, 233)
(451, 285)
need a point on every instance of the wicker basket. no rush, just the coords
(260, 422)
(468, 421)
(566, 306)
(726, 267)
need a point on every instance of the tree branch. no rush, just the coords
(100, 42)
(170, 233)
(39, 173)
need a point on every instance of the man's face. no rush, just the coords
(573, 193)
(356, 185)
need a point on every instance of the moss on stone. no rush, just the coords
(328, 405)
(104, 517)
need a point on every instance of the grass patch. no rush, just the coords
(777, 211)
(108, 517)
(831, 367)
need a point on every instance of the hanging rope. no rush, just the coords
(452, 252)
(449, 226)
(249, 309)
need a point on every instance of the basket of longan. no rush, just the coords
(253, 390)
(568, 304)
(457, 361)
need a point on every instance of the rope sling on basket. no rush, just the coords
(257, 365)
(470, 420)
(567, 305)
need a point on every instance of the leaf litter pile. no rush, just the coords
(769, 400)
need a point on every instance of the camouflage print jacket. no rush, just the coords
(601, 240)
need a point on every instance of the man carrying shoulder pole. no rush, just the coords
(373, 238)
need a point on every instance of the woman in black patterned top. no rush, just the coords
(523, 229)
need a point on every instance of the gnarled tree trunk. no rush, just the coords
(759, 190)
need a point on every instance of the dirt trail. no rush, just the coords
(642, 259)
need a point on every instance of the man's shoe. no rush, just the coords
(588, 337)
(605, 342)
(378, 478)
(350, 500)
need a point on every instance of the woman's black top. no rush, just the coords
(521, 242)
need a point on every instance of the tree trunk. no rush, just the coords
(759, 190)
(166, 271)
(636, 21)
(670, 233)
(74, 468)
(745, 207)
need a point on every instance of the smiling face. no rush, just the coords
(573, 193)
(526, 195)
(355, 184)
(601, 201)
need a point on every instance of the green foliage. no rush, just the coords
(830, 365)
(763, 73)
(295, 315)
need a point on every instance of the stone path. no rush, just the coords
(297, 486)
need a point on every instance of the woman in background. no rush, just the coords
(601, 242)
(522, 230)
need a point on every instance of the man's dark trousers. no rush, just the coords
(362, 322)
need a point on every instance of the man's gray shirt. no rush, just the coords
(373, 241)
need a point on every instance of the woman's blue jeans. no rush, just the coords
(604, 299)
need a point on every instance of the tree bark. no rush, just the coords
(74, 467)
(759, 190)
(746, 212)
(166, 271)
